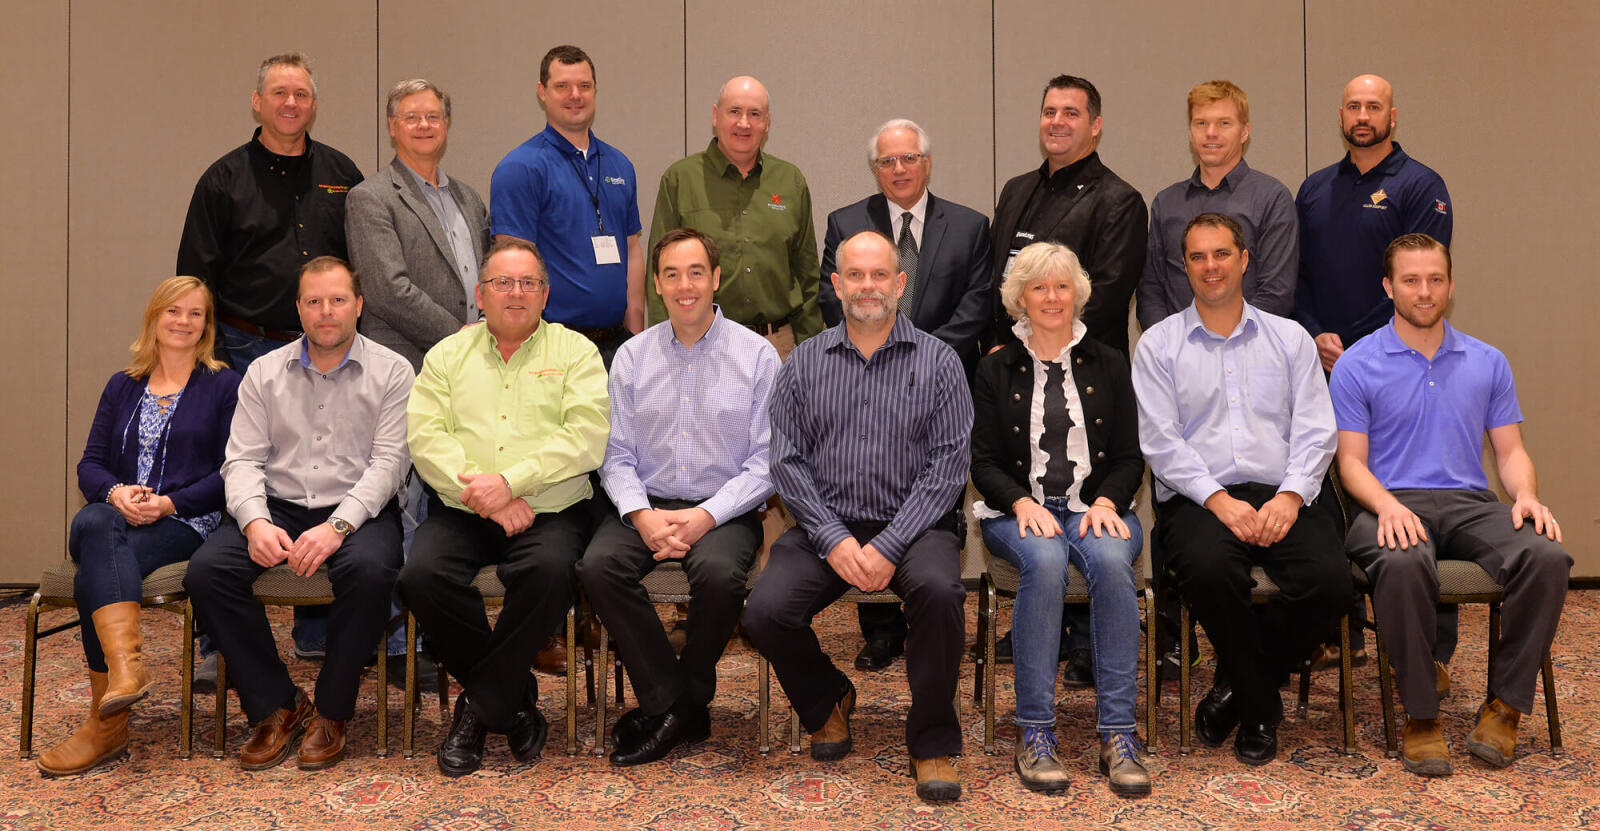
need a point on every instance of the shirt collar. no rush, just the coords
(257, 147)
(1229, 182)
(1192, 323)
(560, 142)
(1390, 340)
(493, 347)
(919, 211)
(711, 334)
(1389, 164)
(444, 181)
(355, 353)
(722, 165)
(1023, 329)
(901, 333)
(1069, 174)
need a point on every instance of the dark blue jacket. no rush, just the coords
(193, 444)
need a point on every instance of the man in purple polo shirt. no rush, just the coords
(1413, 401)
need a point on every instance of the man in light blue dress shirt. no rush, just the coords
(686, 467)
(1236, 423)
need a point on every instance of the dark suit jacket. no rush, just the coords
(1105, 223)
(1002, 395)
(409, 274)
(953, 289)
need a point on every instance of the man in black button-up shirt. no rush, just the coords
(265, 209)
(871, 425)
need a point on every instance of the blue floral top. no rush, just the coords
(155, 418)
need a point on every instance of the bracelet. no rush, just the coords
(114, 490)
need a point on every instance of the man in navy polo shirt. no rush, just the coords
(1350, 211)
(576, 198)
(1413, 401)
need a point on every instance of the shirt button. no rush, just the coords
(508, 386)
(319, 406)
(319, 438)
(1230, 370)
(1430, 383)
(1079, 362)
(1016, 396)
(315, 467)
(1100, 455)
(1016, 429)
(1088, 390)
(1232, 399)
(1099, 421)
(501, 447)
(1019, 464)
(502, 418)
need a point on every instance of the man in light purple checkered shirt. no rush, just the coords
(686, 466)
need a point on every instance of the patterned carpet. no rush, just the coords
(725, 784)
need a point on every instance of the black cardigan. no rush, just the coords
(1002, 396)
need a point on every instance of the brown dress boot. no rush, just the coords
(99, 739)
(1423, 750)
(117, 625)
(1494, 740)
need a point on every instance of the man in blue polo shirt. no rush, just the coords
(1350, 211)
(1413, 401)
(576, 198)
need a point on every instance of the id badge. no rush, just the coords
(605, 251)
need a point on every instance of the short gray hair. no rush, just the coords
(295, 59)
(412, 86)
(1041, 261)
(924, 144)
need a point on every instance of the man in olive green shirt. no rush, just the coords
(758, 209)
(505, 425)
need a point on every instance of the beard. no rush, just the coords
(862, 314)
(1421, 319)
(1380, 134)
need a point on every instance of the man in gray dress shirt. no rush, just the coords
(1219, 129)
(315, 456)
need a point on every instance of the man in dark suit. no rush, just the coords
(944, 250)
(1074, 199)
(416, 235)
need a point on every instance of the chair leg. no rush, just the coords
(1302, 702)
(1347, 704)
(1152, 669)
(794, 731)
(980, 660)
(1391, 746)
(572, 681)
(383, 693)
(1185, 628)
(186, 687)
(988, 623)
(763, 706)
(1494, 646)
(30, 654)
(219, 729)
(408, 725)
(1552, 711)
(604, 666)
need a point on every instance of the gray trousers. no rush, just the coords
(1463, 525)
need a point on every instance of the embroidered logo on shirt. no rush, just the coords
(335, 188)
(1378, 196)
(1440, 207)
(615, 180)
(546, 373)
(777, 203)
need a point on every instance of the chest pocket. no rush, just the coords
(538, 410)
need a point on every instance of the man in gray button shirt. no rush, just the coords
(416, 235)
(1219, 128)
(316, 453)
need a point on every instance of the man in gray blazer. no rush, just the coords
(416, 235)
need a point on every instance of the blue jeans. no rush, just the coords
(1107, 565)
(113, 558)
(240, 348)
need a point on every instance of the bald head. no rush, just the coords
(740, 120)
(869, 280)
(1367, 115)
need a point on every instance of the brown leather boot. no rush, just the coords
(937, 779)
(1423, 750)
(832, 742)
(1494, 740)
(1441, 680)
(117, 625)
(99, 739)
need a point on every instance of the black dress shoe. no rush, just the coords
(1079, 673)
(1256, 744)
(633, 727)
(461, 752)
(879, 653)
(1216, 716)
(675, 728)
(528, 731)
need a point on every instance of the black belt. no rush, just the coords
(766, 329)
(280, 335)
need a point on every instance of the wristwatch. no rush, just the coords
(344, 528)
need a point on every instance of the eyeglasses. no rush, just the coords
(413, 119)
(907, 159)
(530, 285)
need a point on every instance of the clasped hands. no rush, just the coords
(489, 495)
(670, 534)
(140, 505)
(271, 545)
(861, 565)
(1262, 526)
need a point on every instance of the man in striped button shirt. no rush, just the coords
(871, 425)
(686, 467)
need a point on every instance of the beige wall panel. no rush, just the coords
(1502, 103)
(836, 70)
(33, 321)
(156, 98)
(486, 54)
(1143, 57)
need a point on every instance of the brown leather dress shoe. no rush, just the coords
(270, 740)
(323, 745)
(937, 779)
(832, 742)
(552, 657)
(1494, 740)
(1423, 750)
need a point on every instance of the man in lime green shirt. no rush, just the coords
(758, 209)
(505, 426)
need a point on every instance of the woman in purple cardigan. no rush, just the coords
(150, 472)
